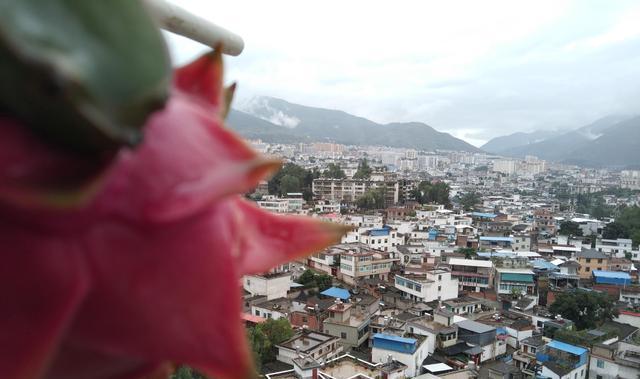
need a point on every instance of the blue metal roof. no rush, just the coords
(498, 239)
(391, 337)
(379, 232)
(484, 215)
(543, 264)
(394, 343)
(611, 274)
(337, 293)
(575, 350)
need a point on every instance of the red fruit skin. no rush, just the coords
(146, 271)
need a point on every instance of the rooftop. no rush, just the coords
(474, 326)
(470, 262)
(336, 292)
(575, 350)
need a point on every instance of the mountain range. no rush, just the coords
(612, 141)
(276, 120)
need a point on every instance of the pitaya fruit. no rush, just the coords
(146, 270)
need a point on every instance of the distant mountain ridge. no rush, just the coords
(612, 141)
(276, 120)
(501, 144)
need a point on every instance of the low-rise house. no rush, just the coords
(482, 336)
(463, 305)
(616, 359)
(411, 351)
(351, 327)
(274, 309)
(591, 260)
(311, 344)
(525, 358)
(439, 329)
(508, 280)
(616, 278)
(561, 360)
(358, 262)
(433, 285)
(273, 285)
(473, 275)
(615, 248)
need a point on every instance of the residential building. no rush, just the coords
(483, 337)
(274, 284)
(630, 179)
(591, 260)
(409, 351)
(615, 359)
(352, 189)
(316, 345)
(614, 248)
(433, 285)
(384, 239)
(350, 326)
(357, 262)
(561, 360)
(508, 280)
(525, 358)
(473, 275)
(439, 329)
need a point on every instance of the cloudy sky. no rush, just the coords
(475, 69)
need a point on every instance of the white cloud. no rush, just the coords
(490, 67)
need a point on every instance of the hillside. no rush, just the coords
(276, 120)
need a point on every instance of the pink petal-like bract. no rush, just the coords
(144, 272)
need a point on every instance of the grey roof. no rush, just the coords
(591, 254)
(536, 341)
(474, 326)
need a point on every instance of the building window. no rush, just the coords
(600, 363)
(343, 335)
(587, 269)
(439, 288)
(600, 260)
(588, 260)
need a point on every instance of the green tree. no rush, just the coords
(428, 192)
(334, 171)
(261, 347)
(324, 281)
(469, 200)
(585, 308)
(629, 218)
(372, 199)
(570, 228)
(290, 183)
(614, 230)
(468, 252)
(363, 171)
(307, 279)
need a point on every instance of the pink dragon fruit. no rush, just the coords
(146, 271)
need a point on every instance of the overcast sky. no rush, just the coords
(475, 69)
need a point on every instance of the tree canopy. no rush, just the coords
(311, 279)
(364, 170)
(372, 199)
(587, 309)
(334, 171)
(629, 219)
(293, 178)
(570, 228)
(428, 192)
(264, 337)
(469, 200)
